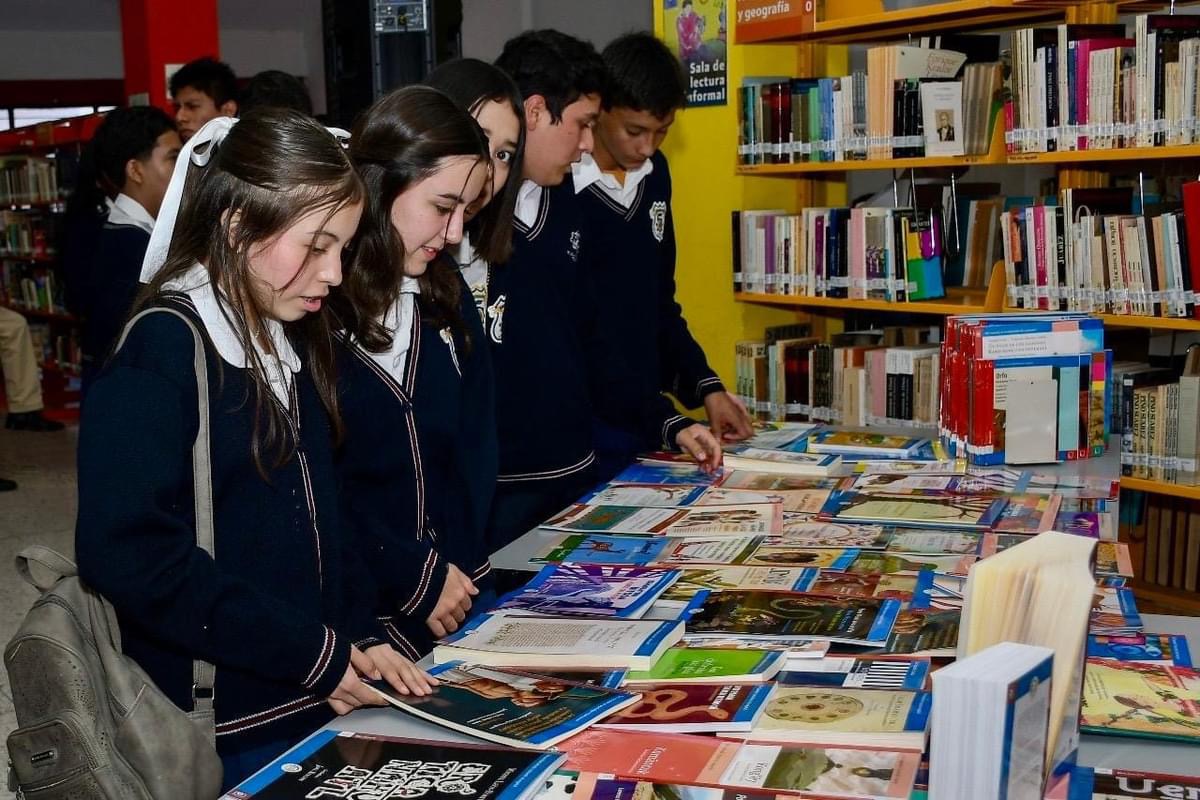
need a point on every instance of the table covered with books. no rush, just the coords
(837, 613)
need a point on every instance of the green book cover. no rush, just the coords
(706, 664)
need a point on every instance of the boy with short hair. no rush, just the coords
(555, 368)
(624, 190)
(202, 90)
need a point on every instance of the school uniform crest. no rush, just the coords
(573, 249)
(658, 219)
(448, 337)
(495, 320)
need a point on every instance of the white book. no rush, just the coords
(942, 113)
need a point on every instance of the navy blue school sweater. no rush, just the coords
(635, 268)
(558, 358)
(109, 287)
(417, 466)
(278, 606)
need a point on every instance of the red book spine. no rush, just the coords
(1191, 220)
(1039, 248)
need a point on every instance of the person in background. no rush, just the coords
(417, 463)
(202, 89)
(493, 99)
(22, 389)
(555, 369)
(282, 606)
(624, 191)
(274, 88)
(134, 151)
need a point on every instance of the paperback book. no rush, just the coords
(863, 444)
(1152, 700)
(646, 495)
(709, 520)
(687, 474)
(333, 763)
(1112, 559)
(795, 501)
(909, 674)
(810, 533)
(710, 665)
(785, 614)
(845, 716)
(922, 542)
(1114, 612)
(932, 633)
(958, 513)
(692, 708)
(1147, 648)
(722, 579)
(1087, 783)
(890, 563)
(913, 589)
(512, 708)
(590, 590)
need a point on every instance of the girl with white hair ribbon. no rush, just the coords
(247, 246)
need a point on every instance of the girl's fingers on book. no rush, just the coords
(363, 663)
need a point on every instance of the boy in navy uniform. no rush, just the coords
(624, 190)
(202, 90)
(556, 367)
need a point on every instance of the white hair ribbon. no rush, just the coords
(194, 152)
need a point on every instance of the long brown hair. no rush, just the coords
(274, 167)
(400, 140)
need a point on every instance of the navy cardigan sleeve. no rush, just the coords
(686, 373)
(136, 546)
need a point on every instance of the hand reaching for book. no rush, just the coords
(727, 416)
(453, 604)
(351, 692)
(404, 676)
(698, 442)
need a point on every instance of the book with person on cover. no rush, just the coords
(845, 716)
(1150, 648)
(692, 708)
(806, 771)
(590, 590)
(786, 614)
(518, 709)
(710, 665)
(1087, 783)
(697, 521)
(1129, 698)
(333, 763)
(504, 640)
(877, 672)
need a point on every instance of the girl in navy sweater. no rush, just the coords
(279, 609)
(418, 462)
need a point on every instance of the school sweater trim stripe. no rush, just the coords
(627, 213)
(531, 231)
(323, 660)
(481, 571)
(400, 640)
(669, 428)
(270, 715)
(549, 474)
(422, 589)
(705, 383)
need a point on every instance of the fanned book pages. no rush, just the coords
(1037, 593)
(799, 770)
(518, 709)
(698, 521)
(514, 641)
(333, 763)
(590, 590)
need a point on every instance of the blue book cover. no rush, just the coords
(1068, 410)
(1148, 647)
(1033, 690)
(645, 495)
(641, 472)
(595, 548)
(594, 590)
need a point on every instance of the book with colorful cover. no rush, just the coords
(788, 556)
(911, 467)
(333, 763)
(1112, 559)
(914, 590)
(594, 590)
(926, 542)
(505, 640)
(845, 716)
(796, 501)
(601, 549)
(1029, 513)
(905, 483)
(606, 679)
(782, 435)
(691, 550)
(880, 672)
(757, 459)
(1114, 612)
(1128, 698)
(518, 709)
(794, 647)
(1149, 648)
(815, 533)
(646, 495)
(719, 579)
(786, 614)
(692, 708)
(1095, 783)
(932, 633)
(710, 665)
(686, 474)
(770, 482)
(701, 521)
(890, 563)
(957, 513)
(1080, 523)
(863, 444)
(812, 771)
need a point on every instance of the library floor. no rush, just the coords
(41, 511)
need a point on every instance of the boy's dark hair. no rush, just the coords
(213, 78)
(125, 133)
(643, 75)
(274, 88)
(398, 141)
(559, 67)
(471, 83)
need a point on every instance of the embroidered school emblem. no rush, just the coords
(573, 250)
(658, 219)
(448, 338)
(495, 315)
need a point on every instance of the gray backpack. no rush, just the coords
(93, 726)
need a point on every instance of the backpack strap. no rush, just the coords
(203, 673)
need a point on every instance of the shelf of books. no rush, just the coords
(1161, 487)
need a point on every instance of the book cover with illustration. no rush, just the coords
(1128, 698)
(799, 532)
(775, 614)
(659, 473)
(1150, 648)
(907, 483)
(333, 763)
(877, 672)
(1028, 513)
(856, 774)
(600, 549)
(519, 709)
(688, 550)
(891, 563)
(789, 556)
(913, 589)
(721, 579)
(863, 444)
(747, 457)
(1114, 612)
(595, 590)
(692, 708)
(795, 501)
(646, 495)
(931, 633)
(711, 665)
(845, 716)
(956, 513)
(1112, 559)
(791, 436)
(700, 521)
(753, 481)
(923, 542)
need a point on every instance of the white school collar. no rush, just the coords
(586, 171)
(212, 308)
(127, 211)
(398, 323)
(529, 198)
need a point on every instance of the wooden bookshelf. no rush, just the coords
(1160, 487)
(1123, 154)
(1152, 323)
